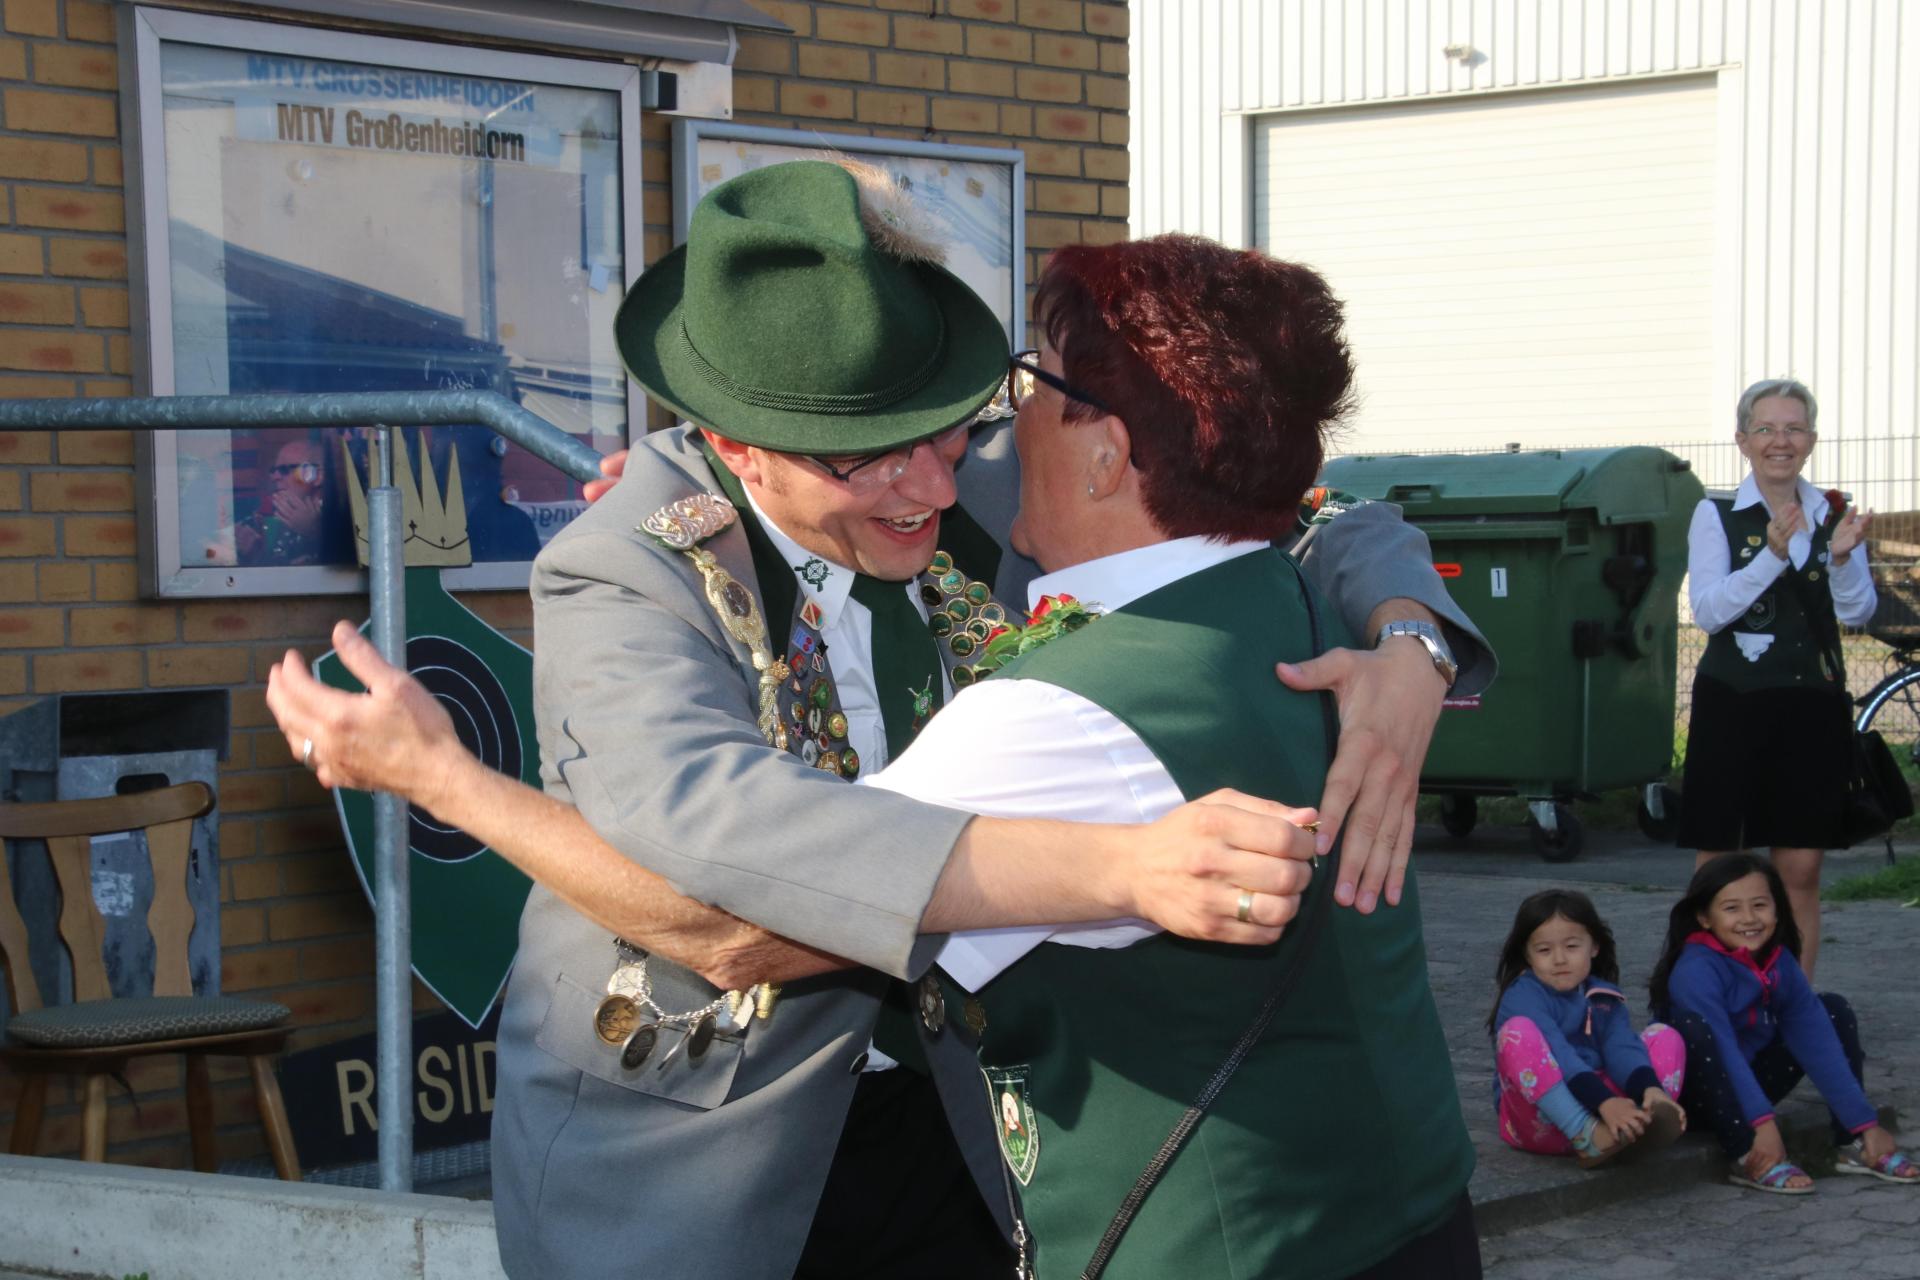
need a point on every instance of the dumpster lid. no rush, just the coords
(1612, 482)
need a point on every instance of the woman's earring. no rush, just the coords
(1089, 488)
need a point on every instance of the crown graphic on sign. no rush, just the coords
(435, 526)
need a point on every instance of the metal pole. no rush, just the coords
(393, 906)
(332, 409)
(393, 902)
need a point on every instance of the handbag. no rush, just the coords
(1877, 793)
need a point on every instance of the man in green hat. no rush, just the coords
(772, 600)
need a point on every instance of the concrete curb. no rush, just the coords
(67, 1218)
(1692, 1160)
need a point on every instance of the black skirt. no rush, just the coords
(1767, 769)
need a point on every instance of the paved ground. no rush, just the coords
(1672, 1217)
(1850, 1227)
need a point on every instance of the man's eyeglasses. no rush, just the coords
(872, 472)
(1798, 435)
(1026, 371)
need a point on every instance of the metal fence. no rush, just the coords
(1878, 473)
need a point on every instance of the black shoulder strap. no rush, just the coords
(1283, 986)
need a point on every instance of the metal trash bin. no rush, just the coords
(79, 746)
(1570, 561)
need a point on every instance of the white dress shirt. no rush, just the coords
(846, 628)
(1012, 748)
(1721, 595)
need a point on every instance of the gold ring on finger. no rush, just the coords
(1245, 911)
(1311, 827)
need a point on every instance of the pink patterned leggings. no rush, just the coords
(1527, 1070)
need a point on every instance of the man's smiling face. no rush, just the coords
(891, 533)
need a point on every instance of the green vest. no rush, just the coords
(1340, 1138)
(1796, 610)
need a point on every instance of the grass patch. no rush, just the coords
(1900, 881)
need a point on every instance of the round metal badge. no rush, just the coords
(639, 1046)
(615, 1019)
(700, 1038)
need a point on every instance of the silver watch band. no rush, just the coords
(1430, 636)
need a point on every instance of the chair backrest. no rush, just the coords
(166, 816)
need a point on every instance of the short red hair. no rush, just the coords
(1229, 368)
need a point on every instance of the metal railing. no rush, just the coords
(387, 607)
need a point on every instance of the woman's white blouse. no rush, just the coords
(1721, 594)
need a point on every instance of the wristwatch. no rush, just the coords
(1429, 635)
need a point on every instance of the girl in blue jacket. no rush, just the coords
(1730, 981)
(1571, 1075)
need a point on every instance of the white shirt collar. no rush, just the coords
(1813, 503)
(1116, 581)
(821, 580)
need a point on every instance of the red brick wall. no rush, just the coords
(1047, 76)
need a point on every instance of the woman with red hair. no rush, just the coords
(1296, 1098)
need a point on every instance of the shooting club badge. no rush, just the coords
(1014, 1120)
(466, 898)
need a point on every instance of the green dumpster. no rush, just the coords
(1570, 562)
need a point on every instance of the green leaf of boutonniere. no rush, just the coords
(1053, 617)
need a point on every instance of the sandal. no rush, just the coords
(1892, 1167)
(1593, 1157)
(1773, 1181)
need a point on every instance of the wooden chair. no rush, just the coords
(96, 1035)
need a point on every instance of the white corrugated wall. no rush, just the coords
(1818, 161)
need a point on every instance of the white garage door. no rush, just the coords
(1534, 267)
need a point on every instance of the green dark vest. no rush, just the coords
(1340, 1138)
(1796, 610)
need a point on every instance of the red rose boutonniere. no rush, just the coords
(1054, 616)
(1836, 507)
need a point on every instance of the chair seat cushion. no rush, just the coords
(98, 1023)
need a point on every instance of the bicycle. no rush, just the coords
(1892, 707)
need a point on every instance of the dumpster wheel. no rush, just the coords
(1557, 835)
(1458, 814)
(1666, 823)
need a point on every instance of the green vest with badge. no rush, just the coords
(1340, 1137)
(1796, 610)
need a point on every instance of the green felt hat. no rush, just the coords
(781, 324)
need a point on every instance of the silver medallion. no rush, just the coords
(933, 1006)
(638, 1045)
(700, 1038)
(629, 980)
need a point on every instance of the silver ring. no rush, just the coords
(1245, 913)
(306, 753)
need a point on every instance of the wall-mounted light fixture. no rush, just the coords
(1461, 53)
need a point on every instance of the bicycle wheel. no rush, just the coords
(1893, 708)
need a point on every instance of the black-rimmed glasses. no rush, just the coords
(1026, 371)
(869, 473)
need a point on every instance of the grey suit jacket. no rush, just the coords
(647, 725)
